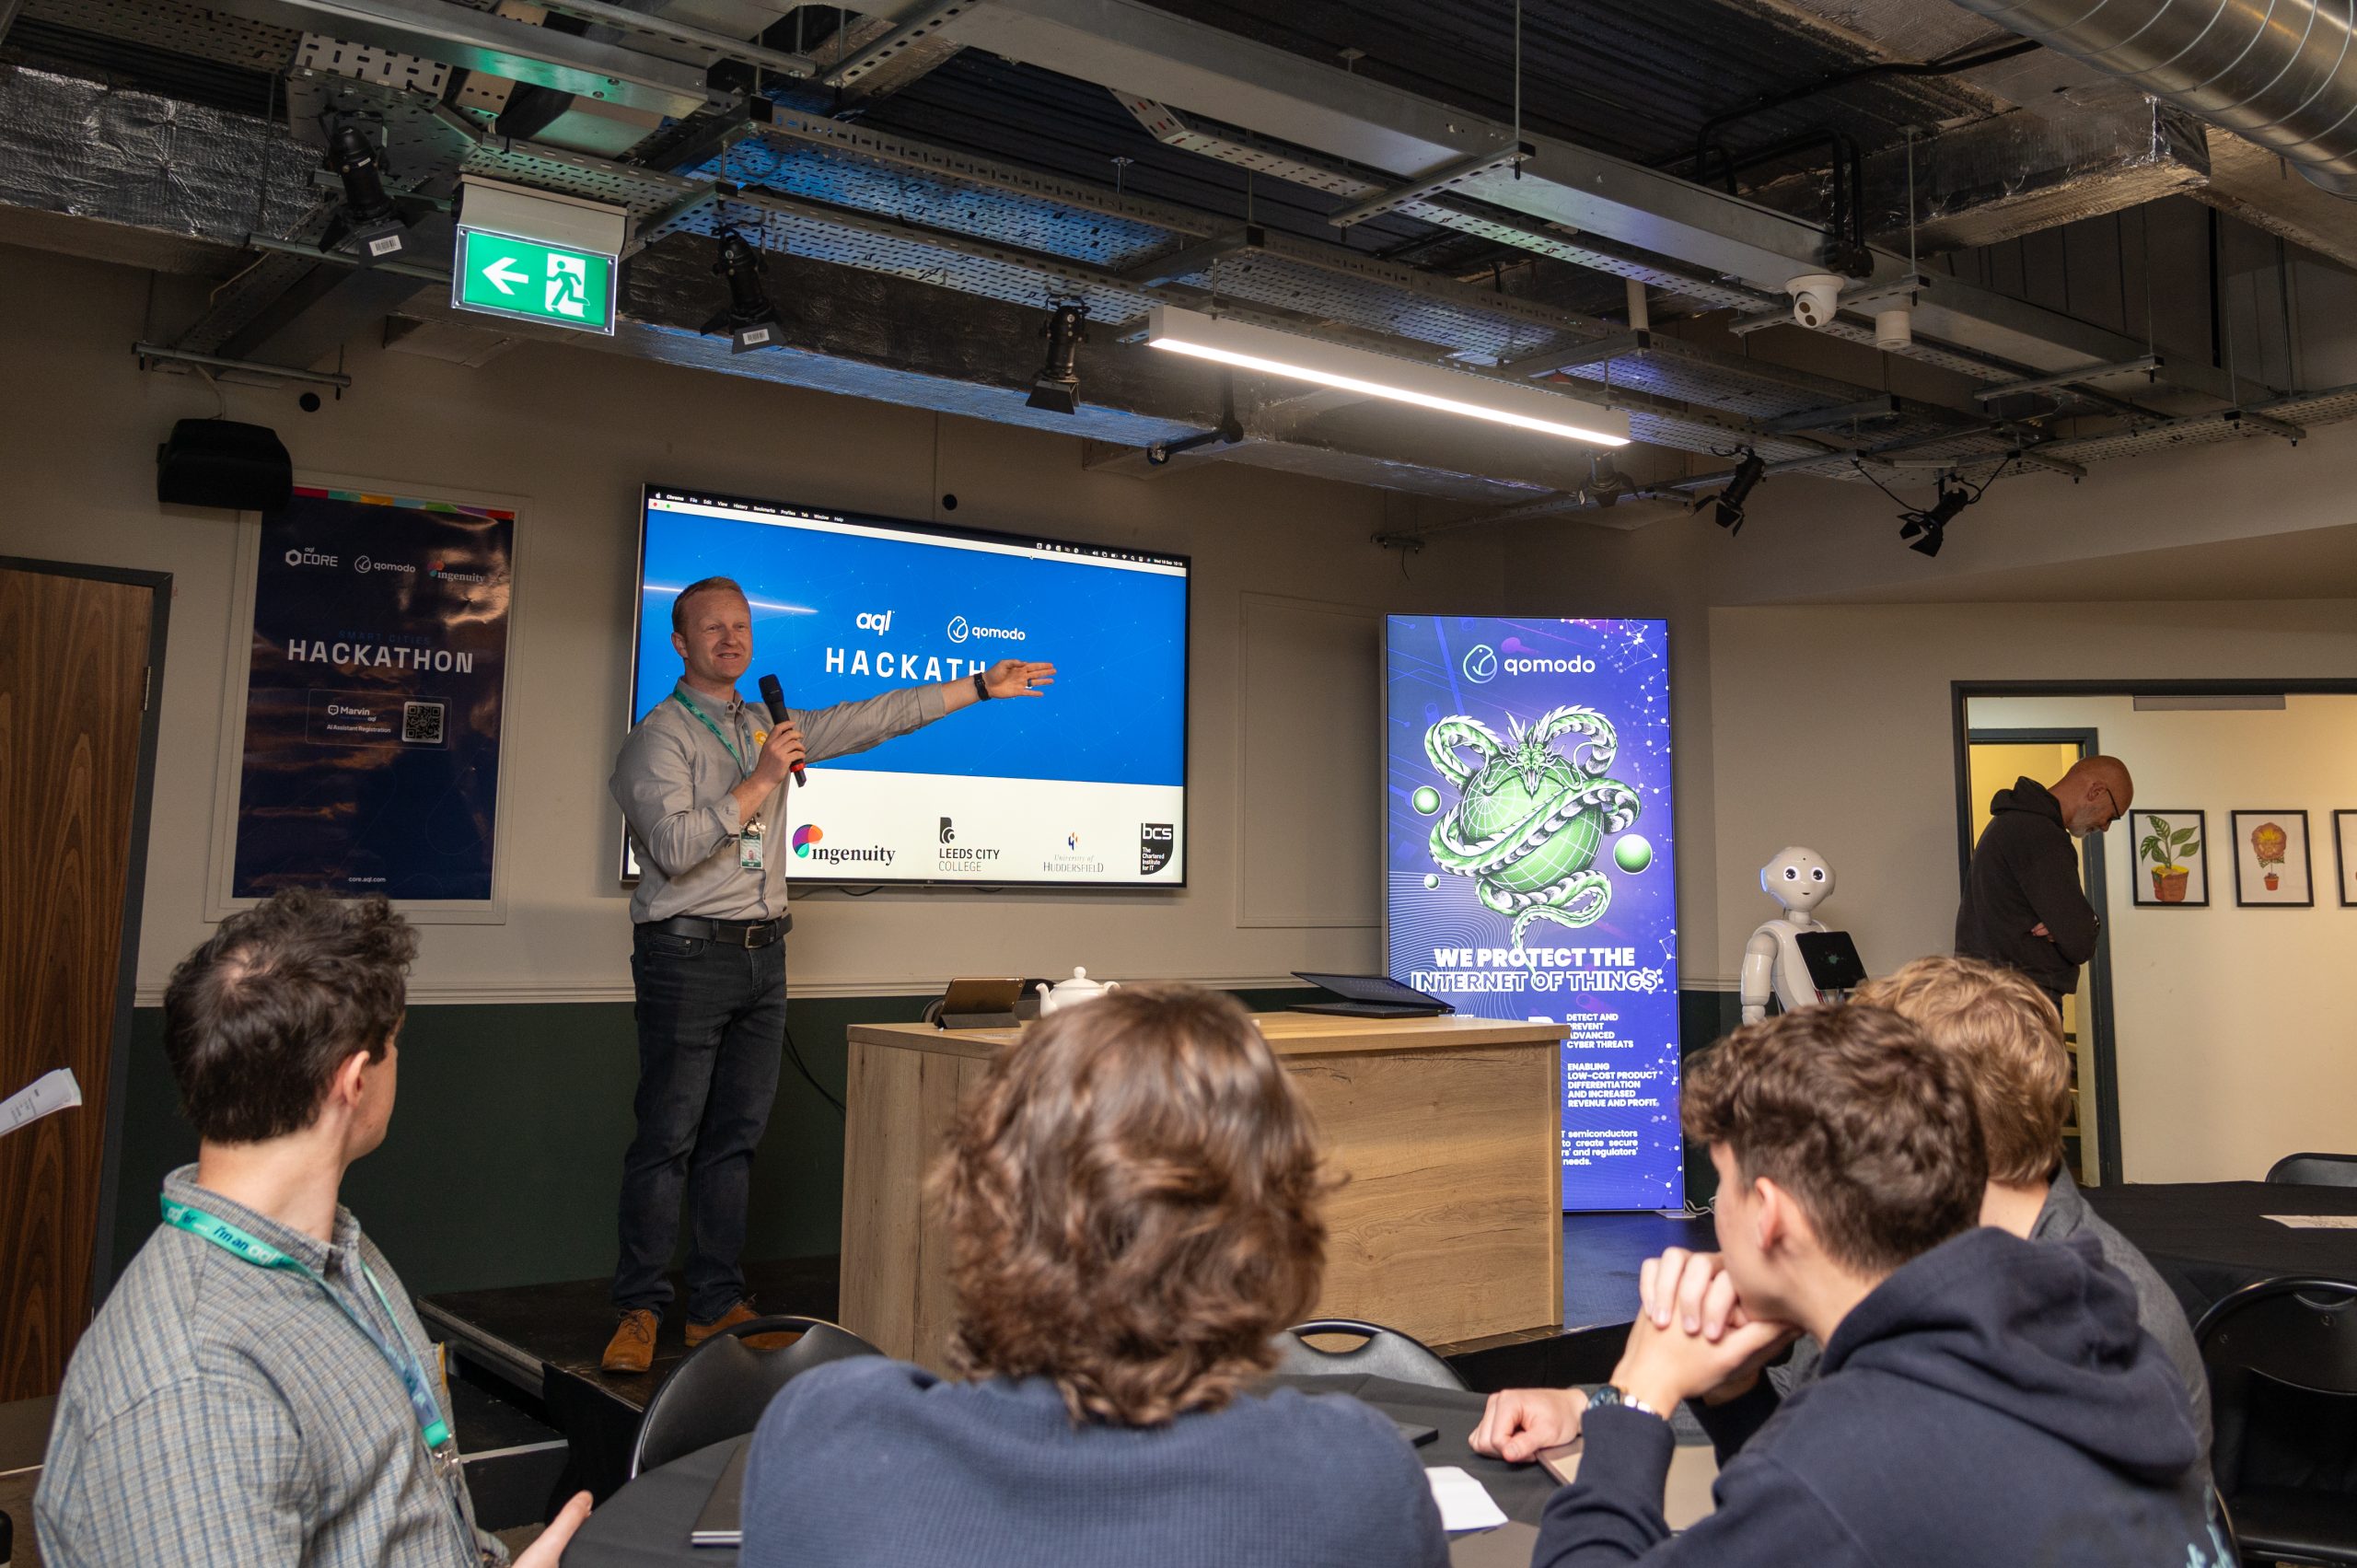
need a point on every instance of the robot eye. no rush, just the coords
(1817, 875)
(1792, 874)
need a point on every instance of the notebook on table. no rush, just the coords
(1686, 1500)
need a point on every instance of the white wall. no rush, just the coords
(2233, 1031)
(574, 434)
(1834, 729)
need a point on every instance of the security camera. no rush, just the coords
(1817, 296)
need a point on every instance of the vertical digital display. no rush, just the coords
(1531, 863)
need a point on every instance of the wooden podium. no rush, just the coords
(1449, 1225)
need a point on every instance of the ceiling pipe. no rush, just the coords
(2281, 73)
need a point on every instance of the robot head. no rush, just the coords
(1797, 878)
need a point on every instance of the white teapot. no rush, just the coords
(1073, 991)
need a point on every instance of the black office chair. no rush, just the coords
(2282, 1355)
(1381, 1353)
(723, 1386)
(2315, 1170)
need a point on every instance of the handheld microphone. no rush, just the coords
(774, 698)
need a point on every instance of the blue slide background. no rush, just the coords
(1436, 666)
(1115, 714)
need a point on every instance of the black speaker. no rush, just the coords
(218, 462)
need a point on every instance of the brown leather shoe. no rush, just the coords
(633, 1347)
(741, 1313)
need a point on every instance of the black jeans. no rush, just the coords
(710, 1035)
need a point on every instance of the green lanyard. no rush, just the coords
(440, 1444)
(705, 719)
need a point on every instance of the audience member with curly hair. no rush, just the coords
(1134, 1199)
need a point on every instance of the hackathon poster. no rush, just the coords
(1530, 865)
(373, 698)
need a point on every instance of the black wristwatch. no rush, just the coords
(1603, 1396)
(981, 691)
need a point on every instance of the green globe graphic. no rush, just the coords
(1633, 853)
(1427, 801)
(1529, 817)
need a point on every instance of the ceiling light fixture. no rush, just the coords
(369, 226)
(1056, 390)
(1747, 475)
(1435, 387)
(1925, 529)
(749, 319)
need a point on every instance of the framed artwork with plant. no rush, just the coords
(2344, 856)
(2271, 865)
(2171, 858)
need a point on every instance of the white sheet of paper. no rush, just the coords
(52, 1091)
(2317, 1222)
(1465, 1503)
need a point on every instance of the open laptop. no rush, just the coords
(1370, 996)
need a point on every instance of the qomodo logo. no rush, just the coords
(305, 556)
(1480, 664)
(363, 565)
(961, 628)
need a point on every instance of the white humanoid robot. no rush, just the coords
(1773, 964)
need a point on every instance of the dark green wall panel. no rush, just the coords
(505, 1150)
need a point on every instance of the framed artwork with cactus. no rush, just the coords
(2271, 865)
(2171, 858)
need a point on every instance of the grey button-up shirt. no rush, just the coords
(672, 780)
(220, 1414)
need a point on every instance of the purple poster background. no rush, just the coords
(1530, 866)
(373, 698)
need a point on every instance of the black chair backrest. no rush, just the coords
(723, 1386)
(2315, 1170)
(2297, 1331)
(1383, 1352)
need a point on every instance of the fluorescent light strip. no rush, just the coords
(1233, 343)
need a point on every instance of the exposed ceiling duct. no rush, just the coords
(2279, 73)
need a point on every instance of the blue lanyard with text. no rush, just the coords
(705, 719)
(440, 1444)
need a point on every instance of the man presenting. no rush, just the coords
(700, 782)
(2023, 906)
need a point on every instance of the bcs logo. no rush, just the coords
(877, 622)
(804, 837)
(1154, 840)
(1480, 664)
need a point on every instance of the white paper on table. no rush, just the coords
(52, 1091)
(2317, 1222)
(1465, 1503)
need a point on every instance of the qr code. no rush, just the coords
(422, 723)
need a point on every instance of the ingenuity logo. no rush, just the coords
(807, 844)
(804, 837)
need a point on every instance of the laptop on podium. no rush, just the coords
(1370, 996)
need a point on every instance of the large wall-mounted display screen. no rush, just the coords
(1530, 866)
(1085, 784)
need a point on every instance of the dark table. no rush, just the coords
(646, 1524)
(2208, 1239)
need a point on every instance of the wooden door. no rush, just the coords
(77, 745)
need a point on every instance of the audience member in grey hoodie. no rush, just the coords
(1982, 1399)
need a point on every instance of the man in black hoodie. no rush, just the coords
(1982, 1400)
(2023, 905)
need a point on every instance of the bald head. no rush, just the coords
(2093, 795)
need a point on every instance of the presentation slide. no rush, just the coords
(1530, 866)
(1084, 784)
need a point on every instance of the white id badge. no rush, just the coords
(749, 848)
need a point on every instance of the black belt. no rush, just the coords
(732, 933)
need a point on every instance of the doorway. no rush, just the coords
(1993, 759)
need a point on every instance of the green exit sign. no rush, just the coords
(502, 275)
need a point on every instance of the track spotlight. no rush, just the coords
(1056, 388)
(1748, 474)
(748, 321)
(1926, 530)
(369, 226)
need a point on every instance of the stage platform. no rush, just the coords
(535, 1348)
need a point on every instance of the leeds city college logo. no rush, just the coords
(1480, 664)
(804, 837)
(949, 833)
(1155, 839)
